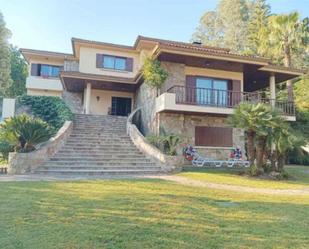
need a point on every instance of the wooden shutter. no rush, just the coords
(236, 96)
(129, 64)
(99, 61)
(213, 136)
(191, 89)
(35, 69)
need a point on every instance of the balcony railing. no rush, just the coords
(223, 98)
(71, 66)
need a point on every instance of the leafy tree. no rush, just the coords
(208, 31)
(301, 90)
(24, 132)
(50, 109)
(217, 29)
(285, 140)
(19, 74)
(154, 75)
(5, 79)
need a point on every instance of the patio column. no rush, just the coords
(87, 98)
(272, 87)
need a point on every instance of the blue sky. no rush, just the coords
(49, 25)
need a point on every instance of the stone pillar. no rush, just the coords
(87, 98)
(272, 87)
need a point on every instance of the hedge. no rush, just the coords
(51, 109)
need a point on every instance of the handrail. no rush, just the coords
(224, 98)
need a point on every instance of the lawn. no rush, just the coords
(146, 213)
(299, 177)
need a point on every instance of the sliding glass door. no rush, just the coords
(211, 92)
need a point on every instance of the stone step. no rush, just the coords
(103, 153)
(99, 145)
(100, 149)
(78, 156)
(98, 154)
(99, 172)
(85, 164)
(103, 160)
(57, 167)
(99, 135)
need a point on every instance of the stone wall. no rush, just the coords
(184, 126)
(74, 101)
(176, 75)
(21, 163)
(145, 96)
(168, 163)
(145, 100)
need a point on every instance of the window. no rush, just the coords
(112, 62)
(211, 91)
(49, 71)
(213, 136)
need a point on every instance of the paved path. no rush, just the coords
(196, 183)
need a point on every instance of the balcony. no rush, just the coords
(71, 66)
(204, 100)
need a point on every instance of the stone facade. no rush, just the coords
(74, 101)
(145, 99)
(176, 75)
(184, 126)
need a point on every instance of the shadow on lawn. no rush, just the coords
(299, 175)
(143, 214)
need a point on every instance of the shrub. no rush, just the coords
(166, 143)
(154, 75)
(24, 132)
(5, 149)
(50, 109)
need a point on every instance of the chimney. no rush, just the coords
(197, 42)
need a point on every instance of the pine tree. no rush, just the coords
(257, 27)
(5, 68)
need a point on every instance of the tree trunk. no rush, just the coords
(260, 150)
(288, 63)
(251, 152)
(274, 160)
(281, 161)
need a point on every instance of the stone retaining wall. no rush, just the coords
(168, 163)
(21, 163)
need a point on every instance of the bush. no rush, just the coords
(5, 149)
(23, 132)
(50, 109)
(166, 143)
(153, 73)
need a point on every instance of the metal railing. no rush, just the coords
(223, 98)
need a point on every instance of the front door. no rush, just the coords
(121, 106)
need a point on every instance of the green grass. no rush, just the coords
(299, 174)
(147, 214)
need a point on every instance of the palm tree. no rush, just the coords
(286, 36)
(256, 120)
(285, 139)
(24, 132)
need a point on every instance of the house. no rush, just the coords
(204, 84)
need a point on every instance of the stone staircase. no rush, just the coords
(99, 145)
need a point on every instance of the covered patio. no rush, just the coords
(101, 95)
